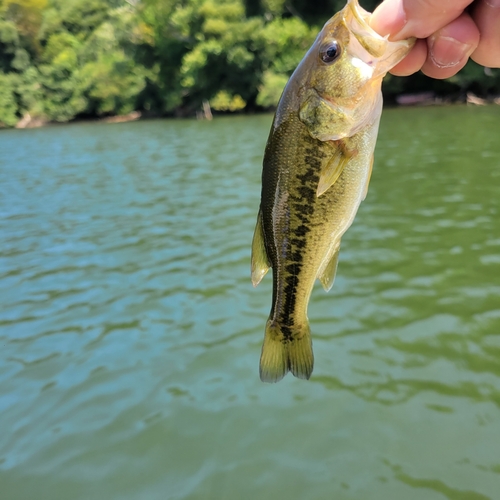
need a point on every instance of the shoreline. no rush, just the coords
(418, 99)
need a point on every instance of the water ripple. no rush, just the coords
(130, 333)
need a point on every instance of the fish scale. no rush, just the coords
(316, 170)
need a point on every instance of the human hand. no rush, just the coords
(448, 32)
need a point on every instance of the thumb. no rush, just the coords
(419, 18)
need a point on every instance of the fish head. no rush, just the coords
(340, 78)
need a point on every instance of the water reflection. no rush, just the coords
(130, 333)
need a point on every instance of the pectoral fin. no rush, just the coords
(260, 261)
(333, 167)
(327, 274)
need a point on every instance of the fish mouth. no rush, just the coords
(361, 15)
(386, 53)
(358, 20)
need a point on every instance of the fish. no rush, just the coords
(316, 170)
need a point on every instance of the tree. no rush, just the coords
(60, 59)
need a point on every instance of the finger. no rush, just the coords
(419, 18)
(413, 61)
(486, 14)
(450, 47)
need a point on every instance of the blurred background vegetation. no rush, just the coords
(66, 59)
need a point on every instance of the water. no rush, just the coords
(130, 334)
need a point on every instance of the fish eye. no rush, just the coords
(330, 52)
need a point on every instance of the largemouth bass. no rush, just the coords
(317, 167)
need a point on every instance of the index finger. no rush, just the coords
(419, 18)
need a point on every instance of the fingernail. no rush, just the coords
(447, 52)
(493, 3)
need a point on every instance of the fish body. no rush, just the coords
(316, 170)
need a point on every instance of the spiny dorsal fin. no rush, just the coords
(260, 261)
(327, 274)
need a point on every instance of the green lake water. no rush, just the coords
(130, 333)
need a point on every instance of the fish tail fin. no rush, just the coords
(283, 353)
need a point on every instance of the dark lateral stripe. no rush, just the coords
(302, 230)
(298, 242)
(302, 206)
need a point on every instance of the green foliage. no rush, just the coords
(223, 54)
(31, 97)
(284, 43)
(112, 83)
(478, 79)
(271, 89)
(61, 59)
(8, 104)
(223, 101)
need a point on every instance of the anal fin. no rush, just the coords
(260, 261)
(327, 274)
(368, 179)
